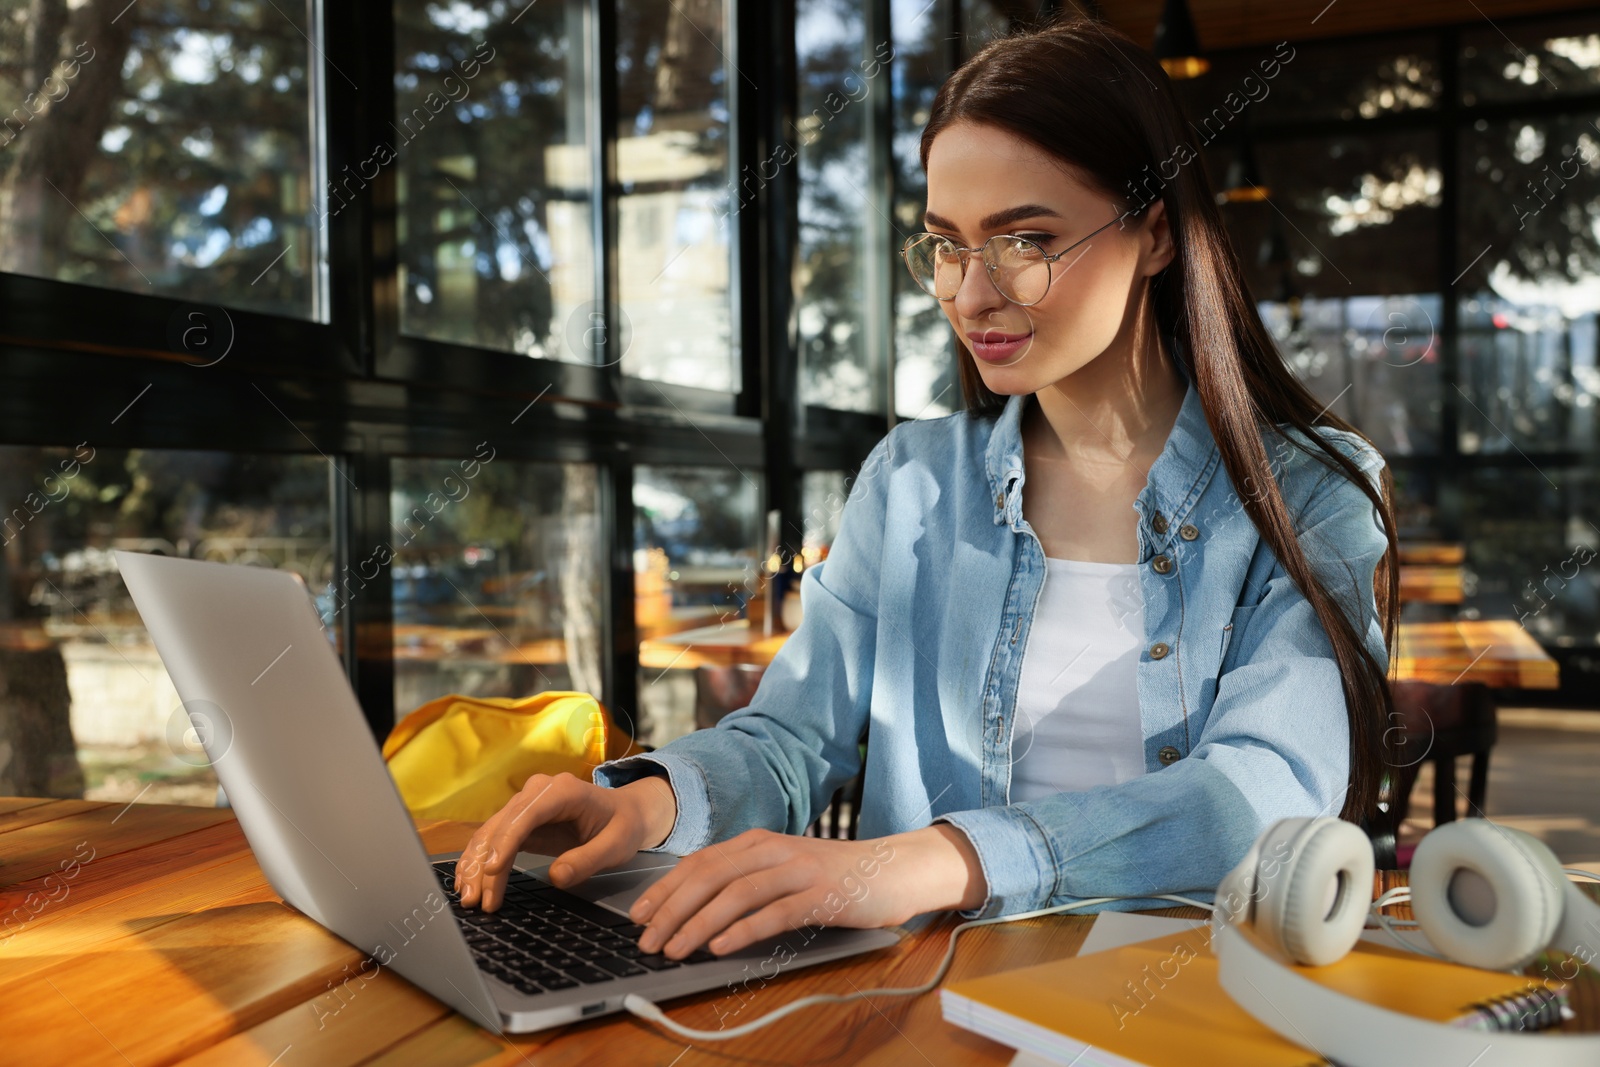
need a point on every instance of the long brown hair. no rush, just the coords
(1088, 95)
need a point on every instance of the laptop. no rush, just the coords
(274, 711)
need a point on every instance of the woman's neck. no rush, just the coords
(1120, 405)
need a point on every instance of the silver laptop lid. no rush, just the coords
(291, 748)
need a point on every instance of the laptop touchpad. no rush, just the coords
(616, 888)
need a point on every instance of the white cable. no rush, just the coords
(649, 1010)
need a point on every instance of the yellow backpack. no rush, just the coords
(461, 757)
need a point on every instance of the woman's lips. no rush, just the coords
(994, 346)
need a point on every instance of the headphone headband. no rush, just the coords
(1358, 1034)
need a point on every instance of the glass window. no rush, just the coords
(109, 722)
(697, 555)
(984, 20)
(164, 152)
(498, 571)
(1416, 503)
(822, 498)
(1531, 552)
(1528, 297)
(1339, 209)
(1297, 82)
(925, 383)
(840, 364)
(492, 175)
(675, 211)
(1522, 61)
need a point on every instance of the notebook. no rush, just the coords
(1158, 1003)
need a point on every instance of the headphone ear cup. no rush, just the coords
(1487, 896)
(1237, 890)
(1318, 899)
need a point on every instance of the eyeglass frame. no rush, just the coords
(965, 254)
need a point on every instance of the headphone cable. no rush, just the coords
(650, 1011)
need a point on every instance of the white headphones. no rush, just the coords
(1485, 895)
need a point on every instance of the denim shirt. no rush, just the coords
(916, 623)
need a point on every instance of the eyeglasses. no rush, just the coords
(1018, 267)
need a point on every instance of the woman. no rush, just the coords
(1181, 642)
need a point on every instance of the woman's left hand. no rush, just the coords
(759, 884)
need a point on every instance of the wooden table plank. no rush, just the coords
(722, 645)
(34, 851)
(170, 991)
(1435, 552)
(1431, 583)
(1497, 652)
(352, 1029)
(11, 804)
(44, 811)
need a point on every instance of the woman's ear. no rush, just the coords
(1155, 243)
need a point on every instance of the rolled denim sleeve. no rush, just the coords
(776, 763)
(1275, 745)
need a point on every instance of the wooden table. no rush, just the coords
(1431, 583)
(721, 645)
(1500, 653)
(168, 947)
(1437, 552)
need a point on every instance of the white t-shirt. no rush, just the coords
(1077, 719)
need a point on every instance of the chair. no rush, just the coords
(721, 689)
(843, 815)
(1437, 723)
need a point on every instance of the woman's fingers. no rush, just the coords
(780, 916)
(710, 889)
(690, 867)
(611, 846)
(543, 799)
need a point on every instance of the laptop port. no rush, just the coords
(592, 1009)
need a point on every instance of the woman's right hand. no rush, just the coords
(587, 827)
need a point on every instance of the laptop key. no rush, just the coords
(618, 966)
(525, 985)
(568, 942)
(561, 981)
(590, 975)
(655, 961)
(546, 952)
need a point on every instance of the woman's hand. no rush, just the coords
(585, 826)
(759, 884)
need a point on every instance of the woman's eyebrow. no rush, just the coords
(998, 219)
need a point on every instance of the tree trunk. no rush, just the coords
(61, 138)
(37, 754)
(580, 582)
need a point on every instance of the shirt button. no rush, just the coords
(999, 500)
(1160, 523)
(1161, 564)
(1168, 755)
(1159, 650)
(1188, 531)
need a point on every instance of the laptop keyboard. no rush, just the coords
(545, 939)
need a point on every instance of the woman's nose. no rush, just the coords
(977, 293)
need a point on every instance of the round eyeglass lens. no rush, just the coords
(1021, 272)
(936, 265)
